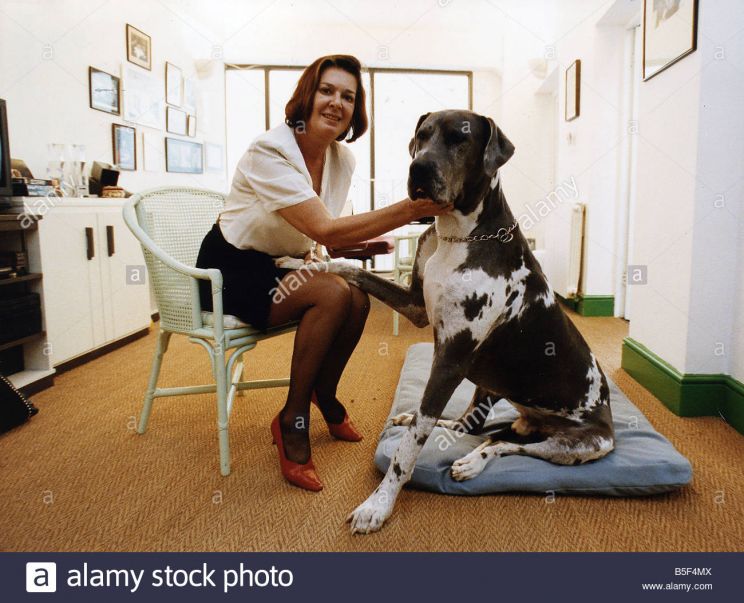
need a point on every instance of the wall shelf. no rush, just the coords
(21, 279)
(11, 344)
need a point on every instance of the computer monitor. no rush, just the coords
(6, 184)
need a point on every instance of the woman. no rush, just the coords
(287, 193)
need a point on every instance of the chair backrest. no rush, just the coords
(176, 219)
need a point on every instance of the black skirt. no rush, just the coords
(248, 277)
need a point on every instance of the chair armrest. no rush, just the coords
(211, 274)
(130, 218)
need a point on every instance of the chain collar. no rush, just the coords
(504, 235)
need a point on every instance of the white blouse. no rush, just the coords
(271, 175)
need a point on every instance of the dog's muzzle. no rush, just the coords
(425, 182)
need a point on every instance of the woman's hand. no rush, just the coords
(423, 207)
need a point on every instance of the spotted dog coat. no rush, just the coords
(495, 319)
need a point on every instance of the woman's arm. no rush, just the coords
(312, 218)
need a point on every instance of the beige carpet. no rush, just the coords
(78, 478)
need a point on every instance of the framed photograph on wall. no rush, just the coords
(176, 121)
(213, 157)
(139, 47)
(189, 96)
(104, 91)
(183, 156)
(142, 98)
(125, 146)
(173, 85)
(669, 33)
(573, 91)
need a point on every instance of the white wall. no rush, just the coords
(589, 150)
(527, 120)
(46, 48)
(691, 151)
(737, 345)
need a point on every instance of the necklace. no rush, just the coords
(504, 235)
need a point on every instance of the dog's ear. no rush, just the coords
(499, 149)
(412, 144)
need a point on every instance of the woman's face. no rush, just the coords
(333, 104)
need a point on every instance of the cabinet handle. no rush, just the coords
(89, 244)
(110, 240)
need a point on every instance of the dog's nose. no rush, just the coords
(421, 171)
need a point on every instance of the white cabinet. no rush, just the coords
(88, 256)
(124, 285)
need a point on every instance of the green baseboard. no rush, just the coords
(686, 395)
(590, 305)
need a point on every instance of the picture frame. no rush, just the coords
(573, 91)
(669, 34)
(104, 91)
(173, 85)
(213, 157)
(183, 156)
(124, 141)
(139, 47)
(192, 126)
(189, 96)
(176, 121)
(142, 98)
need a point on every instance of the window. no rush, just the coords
(400, 97)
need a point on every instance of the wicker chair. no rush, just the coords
(170, 223)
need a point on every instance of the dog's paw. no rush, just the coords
(288, 262)
(370, 515)
(468, 466)
(403, 419)
(450, 424)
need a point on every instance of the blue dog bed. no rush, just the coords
(643, 462)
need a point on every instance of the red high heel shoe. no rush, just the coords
(302, 475)
(344, 430)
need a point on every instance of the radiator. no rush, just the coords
(576, 251)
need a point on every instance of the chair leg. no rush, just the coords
(242, 392)
(221, 378)
(160, 349)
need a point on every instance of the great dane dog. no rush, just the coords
(495, 319)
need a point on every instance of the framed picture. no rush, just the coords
(189, 96)
(176, 121)
(669, 33)
(183, 156)
(139, 47)
(573, 90)
(142, 98)
(125, 147)
(103, 89)
(213, 157)
(192, 125)
(173, 85)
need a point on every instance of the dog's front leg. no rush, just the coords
(372, 513)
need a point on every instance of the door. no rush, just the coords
(71, 284)
(125, 289)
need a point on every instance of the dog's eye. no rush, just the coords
(453, 138)
(423, 135)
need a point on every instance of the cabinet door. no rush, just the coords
(71, 284)
(126, 291)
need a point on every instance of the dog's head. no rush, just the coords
(454, 153)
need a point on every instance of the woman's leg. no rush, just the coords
(321, 303)
(338, 356)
